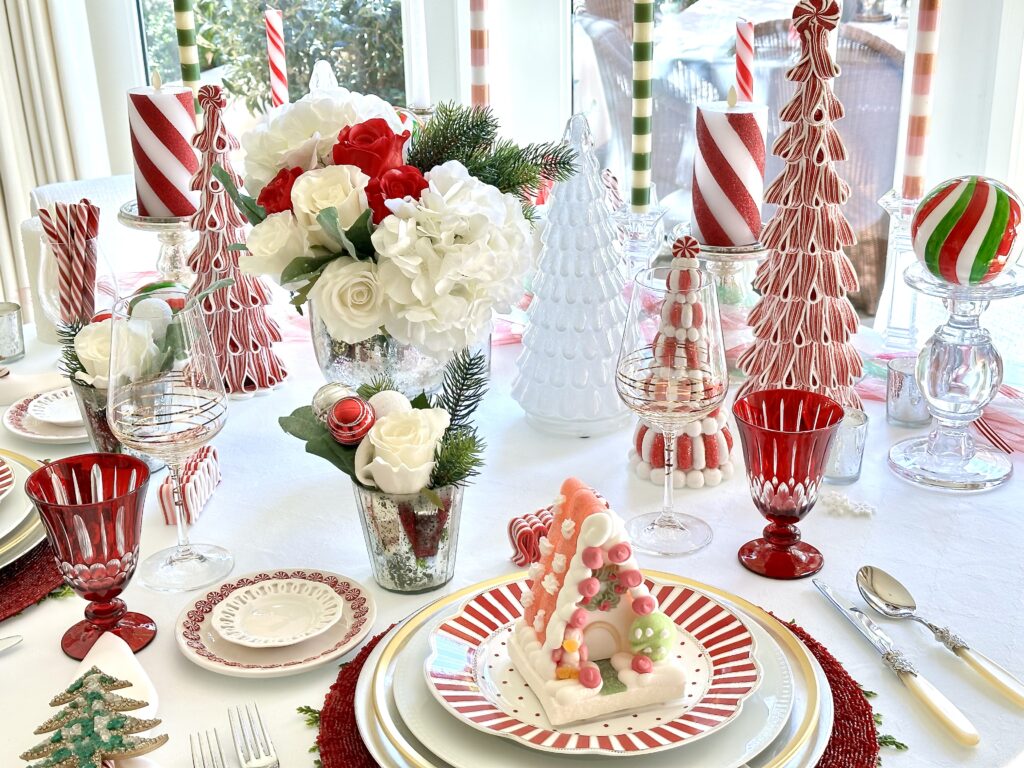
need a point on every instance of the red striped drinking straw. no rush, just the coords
(920, 107)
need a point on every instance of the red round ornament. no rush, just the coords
(350, 419)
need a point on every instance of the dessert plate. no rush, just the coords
(279, 612)
(59, 408)
(21, 423)
(201, 644)
(6, 486)
(469, 672)
(392, 685)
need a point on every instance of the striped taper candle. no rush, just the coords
(162, 122)
(919, 111)
(643, 104)
(728, 172)
(276, 57)
(745, 59)
(188, 51)
(479, 43)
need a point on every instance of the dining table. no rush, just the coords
(961, 554)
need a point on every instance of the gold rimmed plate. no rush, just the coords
(802, 736)
(27, 531)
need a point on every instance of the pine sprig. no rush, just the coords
(69, 363)
(458, 457)
(470, 135)
(382, 382)
(310, 716)
(463, 387)
(886, 740)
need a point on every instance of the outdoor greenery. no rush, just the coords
(362, 39)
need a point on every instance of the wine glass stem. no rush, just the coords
(179, 507)
(669, 502)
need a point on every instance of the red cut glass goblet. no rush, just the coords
(785, 435)
(91, 506)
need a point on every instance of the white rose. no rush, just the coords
(136, 350)
(397, 455)
(347, 298)
(272, 245)
(336, 186)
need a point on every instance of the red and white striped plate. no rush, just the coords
(469, 672)
(6, 479)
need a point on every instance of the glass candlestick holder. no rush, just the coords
(640, 236)
(172, 232)
(959, 371)
(897, 312)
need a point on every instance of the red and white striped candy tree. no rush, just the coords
(236, 315)
(803, 323)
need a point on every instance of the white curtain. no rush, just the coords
(51, 126)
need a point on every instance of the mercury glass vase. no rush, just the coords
(411, 538)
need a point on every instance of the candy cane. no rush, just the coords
(276, 56)
(745, 59)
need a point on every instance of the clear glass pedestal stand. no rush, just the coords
(729, 267)
(172, 232)
(898, 313)
(959, 371)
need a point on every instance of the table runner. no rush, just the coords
(28, 580)
(853, 744)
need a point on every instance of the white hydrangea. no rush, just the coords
(452, 259)
(303, 133)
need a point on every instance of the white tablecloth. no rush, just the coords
(278, 507)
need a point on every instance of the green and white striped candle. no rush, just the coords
(643, 104)
(188, 51)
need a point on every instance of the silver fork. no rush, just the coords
(206, 751)
(252, 742)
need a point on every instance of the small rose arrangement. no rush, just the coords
(419, 239)
(384, 441)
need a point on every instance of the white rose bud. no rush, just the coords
(272, 245)
(397, 455)
(347, 298)
(336, 186)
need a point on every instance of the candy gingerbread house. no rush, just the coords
(592, 641)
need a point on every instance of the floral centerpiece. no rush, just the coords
(400, 245)
(408, 460)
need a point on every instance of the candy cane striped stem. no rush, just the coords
(643, 104)
(479, 43)
(188, 51)
(745, 59)
(920, 107)
(276, 57)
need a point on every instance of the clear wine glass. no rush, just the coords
(168, 402)
(672, 373)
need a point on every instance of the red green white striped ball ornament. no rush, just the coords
(350, 419)
(965, 229)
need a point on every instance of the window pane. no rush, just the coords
(694, 61)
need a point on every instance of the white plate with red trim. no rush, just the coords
(201, 644)
(19, 421)
(6, 486)
(469, 672)
(59, 408)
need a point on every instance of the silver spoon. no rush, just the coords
(890, 598)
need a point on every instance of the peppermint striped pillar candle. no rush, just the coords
(920, 107)
(188, 51)
(745, 59)
(276, 57)
(728, 172)
(479, 44)
(643, 104)
(162, 122)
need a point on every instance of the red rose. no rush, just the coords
(403, 181)
(370, 146)
(277, 195)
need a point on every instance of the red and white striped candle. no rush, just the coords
(162, 122)
(276, 57)
(920, 108)
(479, 44)
(745, 60)
(728, 173)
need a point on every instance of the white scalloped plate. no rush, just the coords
(59, 408)
(21, 423)
(277, 613)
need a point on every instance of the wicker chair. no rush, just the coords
(618, 11)
(870, 87)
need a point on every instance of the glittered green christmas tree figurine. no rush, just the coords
(90, 727)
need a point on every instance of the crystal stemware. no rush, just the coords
(785, 435)
(91, 506)
(167, 401)
(672, 372)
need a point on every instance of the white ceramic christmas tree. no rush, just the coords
(566, 376)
